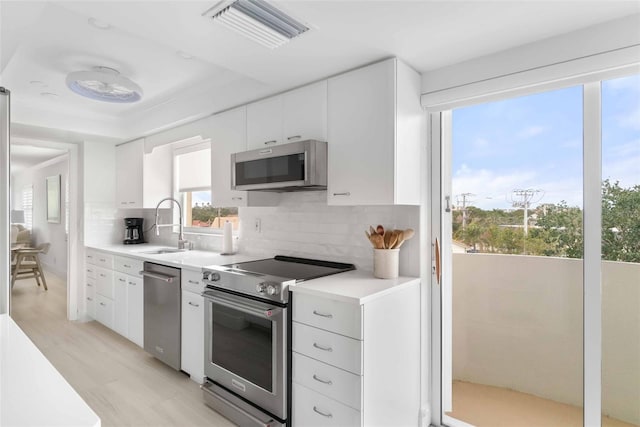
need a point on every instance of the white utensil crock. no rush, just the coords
(386, 263)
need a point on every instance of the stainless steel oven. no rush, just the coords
(248, 339)
(246, 348)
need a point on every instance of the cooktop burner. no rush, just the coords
(269, 278)
(298, 269)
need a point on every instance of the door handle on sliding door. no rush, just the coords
(437, 262)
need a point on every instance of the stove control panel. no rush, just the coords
(269, 288)
(211, 276)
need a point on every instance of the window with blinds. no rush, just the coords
(27, 206)
(193, 184)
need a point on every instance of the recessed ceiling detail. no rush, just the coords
(257, 20)
(104, 84)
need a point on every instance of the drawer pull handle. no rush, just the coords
(90, 299)
(328, 316)
(126, 266)
(90, 256)
(289, 138)
(319, 347)
(342, 194)
(103, 260)
(102, 275)
(273, 141)
(132, 283)
(103, 304)
(320, 380)
(122, 280)
(193, 282)
(327, 415)
(193, 304)
(90, 285)
(236, 198)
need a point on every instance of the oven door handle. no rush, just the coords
(267, 313)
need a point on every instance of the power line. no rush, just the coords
(523, 198)
(464, 199)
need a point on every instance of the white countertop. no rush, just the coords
(356, 287)
(193, 260)
(32, 392)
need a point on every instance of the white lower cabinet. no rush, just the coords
(192, 334)
(115, 293)
(311, 408)
(104, 311)
(135, 310)
(363, 367)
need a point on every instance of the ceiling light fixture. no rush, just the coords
(104, 84)
(101, 25)
(257, 20)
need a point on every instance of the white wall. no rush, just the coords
(99, 166)
(43, 231)
(301, 225)
(517, 323)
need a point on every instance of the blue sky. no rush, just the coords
(535, 142)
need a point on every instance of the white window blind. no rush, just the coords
(27, 206)
(194, 167)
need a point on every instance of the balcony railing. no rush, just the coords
(517, 324)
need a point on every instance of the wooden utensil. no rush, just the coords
(393, 239)
(372, 230)
(377, 241)
(380, 230)
(387, 239)
(406, 235)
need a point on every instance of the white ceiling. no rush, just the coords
(24, 155)
(44, 41)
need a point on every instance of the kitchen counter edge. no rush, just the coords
(355, 287)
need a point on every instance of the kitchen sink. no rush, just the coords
(163, 251)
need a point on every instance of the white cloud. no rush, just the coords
(531, 131)
(630, 120)
(624, 83)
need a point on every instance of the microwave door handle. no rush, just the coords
(268, 313)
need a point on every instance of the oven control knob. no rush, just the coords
(260, 288)
(272, 290)
(214, 277)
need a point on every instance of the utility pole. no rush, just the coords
(464, 200)
(521, 198)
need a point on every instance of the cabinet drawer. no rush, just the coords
(310, 408)
(90, 256)
(90, 296)
(104, 311)
(335, 383)
(91, 287)
(90, 269)
(129, 266)
(192, 281)
(335, 316)
(104, 282)
(192, 348)
(103, 260)
(334, 349)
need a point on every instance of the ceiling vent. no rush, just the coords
(257, 20)
(104, 84)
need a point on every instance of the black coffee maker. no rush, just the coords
(133, 231)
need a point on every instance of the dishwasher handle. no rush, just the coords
(164, 277)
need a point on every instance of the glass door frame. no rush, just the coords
(435, 214)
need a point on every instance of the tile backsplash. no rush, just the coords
(301, 225)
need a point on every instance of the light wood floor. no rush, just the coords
(122, 384)
(487, 406)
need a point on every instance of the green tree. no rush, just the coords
(620, 222)
(561, 230)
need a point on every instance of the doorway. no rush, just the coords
(520, 327)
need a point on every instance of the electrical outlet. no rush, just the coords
(258, 226)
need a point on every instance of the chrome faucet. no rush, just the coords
(182, 243)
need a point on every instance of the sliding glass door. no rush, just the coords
(525, 310)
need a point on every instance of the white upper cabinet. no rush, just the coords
(293, 116)
(227, 134)
(129, 174)
(305, 113)
(142, 179)
(264, 123)
(375, 128)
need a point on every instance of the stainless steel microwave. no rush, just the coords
(297, 166)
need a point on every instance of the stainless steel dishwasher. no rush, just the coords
(162, 313)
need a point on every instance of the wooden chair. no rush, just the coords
(26, 265)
